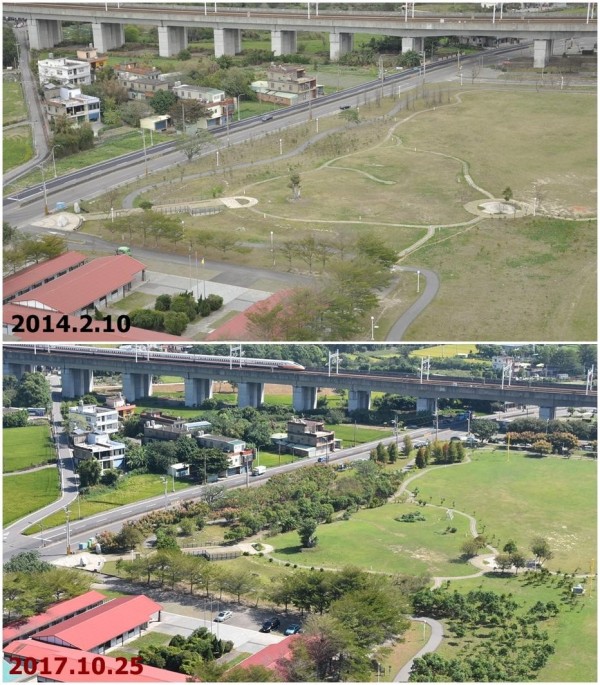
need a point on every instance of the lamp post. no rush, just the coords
(46, 210)
(373, 327)
(41, 525)
(78, 500)
(280, 146)
(418, 281)
(165, 483)
(272, 249)
(143, 132)
(68, 527)
(54, 159)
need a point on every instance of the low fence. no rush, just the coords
(215, 553)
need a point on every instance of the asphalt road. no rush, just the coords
(437, 633)
(430, 284)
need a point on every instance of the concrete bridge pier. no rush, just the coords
(340, 44)
(44, 33)
(228, 42)
(171, 40)
(137, 385)
(76, 382)
(426, 404)
(359, 399)
(542, 49)
(197, 390)
(412, 44)
(304, 398)
(251, 394)
(284, 42)
(108, 36)
(547, 413)
(17, 370)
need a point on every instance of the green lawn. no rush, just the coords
(13, 103)
(268, 458)
(17, 147)
(373, 540)
(521, 497)
(351, 435)
(153, 638)
(27, 446)
(25, 493)
(131, 489)
(573, 631)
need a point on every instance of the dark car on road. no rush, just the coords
(292, 629)
(269, 625)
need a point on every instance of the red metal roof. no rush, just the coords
(102, 624)
(72, 668)
(38, 272)
(54, 335)
(55, 612)
(270, 655)
(84, 285)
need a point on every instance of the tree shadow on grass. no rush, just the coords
(294, 549)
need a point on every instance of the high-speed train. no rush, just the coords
(145, 353)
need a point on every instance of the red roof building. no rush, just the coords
(270, 655)
(54, 614)
(39, 274)
(64, 665)
(105, 627)
(94, 284)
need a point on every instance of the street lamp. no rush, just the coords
(418, 281)
(143, 132)
(68, 514)
(54, 159)
(373, 327)
(41, 525)
(46, 210)
(272, 249)
(280, 146)
(165, 481)
(78, 500)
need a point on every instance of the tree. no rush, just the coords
(420, 459)
(507, 194)
(33, 391)
(469, 548)
(306, 531)
(175, 323)
(162, 101)
(89, 472)
(350, 115)
(294, 184)
(503, 562)
(541, 549)
(9, 233)
(510, 547)
(193, 145)
(542, 447)
(392, 452)
(407, 445)
(26, 562)
(375, 248)
(483, 429)
(518, 560)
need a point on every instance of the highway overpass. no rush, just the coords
(78, 364)
(44, 24)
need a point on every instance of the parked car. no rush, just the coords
(266, 117)
(344, 106)
(292, 629)
(270, 624)
(223, 616)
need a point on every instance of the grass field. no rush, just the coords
(25, 447)
(373, 540)
(444, 351)
(13, 103)
(524, 497)
(25, 493)
(573, 631)
(359, 435)
(17, 146)
(153, 638)
(131, 489)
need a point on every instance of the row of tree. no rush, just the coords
(31, 390)
(19, 250)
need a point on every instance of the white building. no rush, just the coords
(69, 72)
(71, 103)
(97, 445)
(217, 106)
(100, 419)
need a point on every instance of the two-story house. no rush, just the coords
(103, 419)
(309, 438)
(66, 72)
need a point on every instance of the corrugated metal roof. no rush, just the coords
(90, 282)
(103, 623)
(54, 612)
(38, 272)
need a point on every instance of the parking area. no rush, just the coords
(244, 639)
